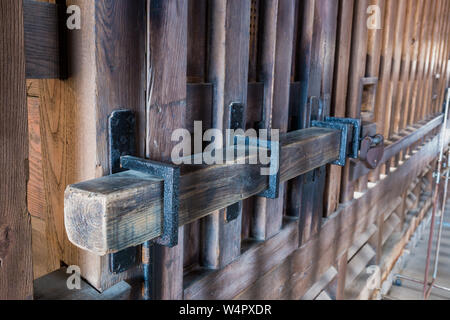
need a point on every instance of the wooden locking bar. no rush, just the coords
(111, 213)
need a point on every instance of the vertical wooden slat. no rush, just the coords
(356, 72)
(415, 70)
(374, 42)
(385, 69)
(409, 76)
(445, 76)
(16, 271)
(437, 61)
(269, 213)
(196, 73)
(228, 71)
(398, 46)
(424, 45)
(260, 221)
(166, 100)
(320, 84)
(399, 113)
(303, 64)
(339, 94)
(426, 96)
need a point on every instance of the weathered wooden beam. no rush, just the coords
(44, 26)
(358, 168)
(16, 272)
(118, 211)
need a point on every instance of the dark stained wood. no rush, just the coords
(269, 213)
(299, 108)
(166, 99)
(339, 95)
(16, 270)
(228, 71)
(44, 40)
(356, 72)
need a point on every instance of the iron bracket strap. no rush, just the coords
(274, 179)
(122, 145)
(344, 125)
(170, 174)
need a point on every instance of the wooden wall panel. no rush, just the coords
(16, 276)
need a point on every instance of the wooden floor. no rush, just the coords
(415, 266)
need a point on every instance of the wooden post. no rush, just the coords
(16, 272)
(356, 72)
(166, 112)
(339, 94)
(269, 213)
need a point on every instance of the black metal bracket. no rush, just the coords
(274, 173)
(122, 147)
(170, 174)
(122, 141)
(236, 121)
(343, 124)
(356, 133)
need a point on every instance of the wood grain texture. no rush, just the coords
(16, 270)
(44, 52)
(339, 95)
(356, 72)
(269, 213)
(166, 99)
(228, 70)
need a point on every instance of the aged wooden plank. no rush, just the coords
(356, 72)
(16, 270)
(44, 26)
(261, 226)
(395, 72)
(339, 95)
(228, 71)
(269, 213)
(299, 109)
(198, 102)
(166, 99)
(136, 198)
(316, 256)
(319, 92)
